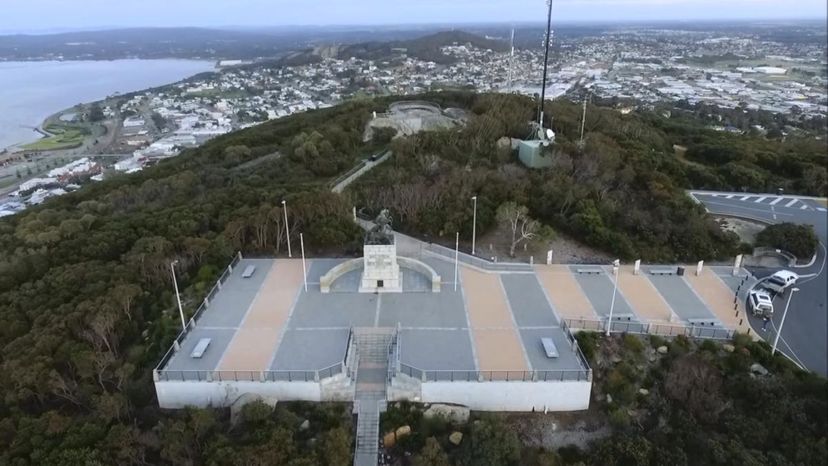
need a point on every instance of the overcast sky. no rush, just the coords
(24, 15)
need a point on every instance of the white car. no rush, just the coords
(781, 280)
(760, 303)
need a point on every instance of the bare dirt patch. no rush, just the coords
(565, 250)
(746, 229)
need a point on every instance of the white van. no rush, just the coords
(780, 280)
(760, 303)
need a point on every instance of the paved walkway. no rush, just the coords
(564, 292)
(497, 343)
(645, 300)
(255, 343)
(719, 298)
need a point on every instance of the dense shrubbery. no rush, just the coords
(622, 193)
(799, 240)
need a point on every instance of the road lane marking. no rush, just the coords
(730, 196)
(822, 209)
(791, 203)
(760, 199)
(745, 198)
(775, 201)
(804, 206)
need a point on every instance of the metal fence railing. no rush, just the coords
(556, 375)
(713, 332)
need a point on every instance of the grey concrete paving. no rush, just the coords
(314, 309)
(310, 349)
(444, 309)
(528, 301)
(598, 288)
(567, 359)
(678, 294)
(229, 305)
(319, 267)
(220, 339)
(437, 349)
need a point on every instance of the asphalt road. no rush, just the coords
(805, 333)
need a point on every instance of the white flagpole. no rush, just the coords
(304, 269)
(456, 258)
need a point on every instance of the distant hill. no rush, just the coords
(424, 48)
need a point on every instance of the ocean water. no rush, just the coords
(31, 91)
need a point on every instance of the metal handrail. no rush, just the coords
(719, 332)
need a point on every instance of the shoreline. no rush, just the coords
(40, 128)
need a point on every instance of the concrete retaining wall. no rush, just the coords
(176, 395)
(510, 396)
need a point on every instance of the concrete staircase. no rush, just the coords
(369, 398)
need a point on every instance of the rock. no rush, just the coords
(456, 437)
(403, 431)
(644, 391)
(388, 440)
(615, 359)
(652, 358)
(305, 425)
(505, 142)
(455, 414)
(609, 398)
(662, 349)
(728, 347)
(757, 368)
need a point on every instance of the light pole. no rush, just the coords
(616, 265)
(177, 295)
(287, 228)
(785, 313)
(474, 224)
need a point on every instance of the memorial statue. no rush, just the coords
(381, 233)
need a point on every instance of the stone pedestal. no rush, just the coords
(381, 273)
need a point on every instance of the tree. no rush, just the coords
(96, 114)
(799, 240)
(517, 219)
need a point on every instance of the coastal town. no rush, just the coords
(632, 67)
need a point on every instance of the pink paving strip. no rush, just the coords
(497, 343)
(255, 342)
(563, 290)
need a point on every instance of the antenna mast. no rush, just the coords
(548, 38)
(583, 121)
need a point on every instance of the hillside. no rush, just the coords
(86, 307)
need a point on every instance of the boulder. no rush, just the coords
(644, 391)
(615, 359)
(403, 431)
(456, 437)
(757, 368)
(662, 349)
(609, 398)
(389, 440)
(454, 414)
(305, 425)
(728, 347)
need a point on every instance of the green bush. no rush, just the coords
(633, 344)
(799, 240)
(588, 342)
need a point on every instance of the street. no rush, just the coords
(804, 336)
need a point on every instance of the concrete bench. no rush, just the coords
(663, 272)
(249, 271)
(200, 348)
(590, 271)
(549, 347)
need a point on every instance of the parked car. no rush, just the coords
(781, 280)
(760, 303)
